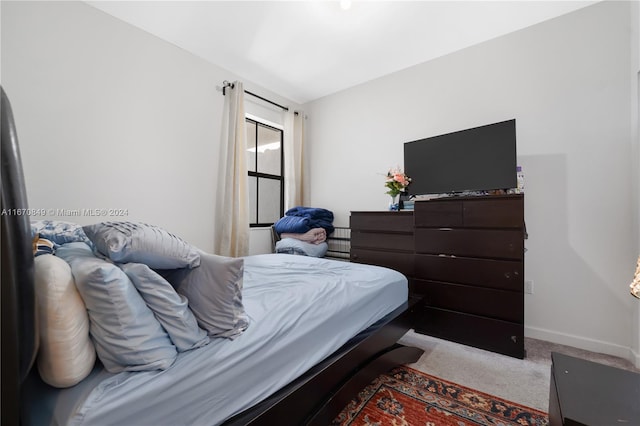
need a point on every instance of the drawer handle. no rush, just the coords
(445, 229)
(507, 275)
(452, 256)
(515, 339)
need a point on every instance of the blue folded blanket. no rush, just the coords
(292, 225)
(310, 212)
(299, 220)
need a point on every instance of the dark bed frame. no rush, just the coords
(315, 398)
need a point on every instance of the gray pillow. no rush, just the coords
(170, 308)
(125, 242)
(214, 291)
(126, 334)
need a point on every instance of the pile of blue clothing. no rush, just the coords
(299, 220)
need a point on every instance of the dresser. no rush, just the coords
(384, 239)
(469, 264)
(464, 256)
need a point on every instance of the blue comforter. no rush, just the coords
(299, 220)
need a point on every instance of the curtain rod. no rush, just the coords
(226, 84)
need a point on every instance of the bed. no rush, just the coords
(317, 331)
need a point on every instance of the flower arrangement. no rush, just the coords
(396, 181)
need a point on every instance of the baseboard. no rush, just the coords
(636, 358)
(581, 342)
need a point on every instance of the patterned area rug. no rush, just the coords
(407, 397)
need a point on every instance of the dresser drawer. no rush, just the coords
(382, 221)
(436, 213)
(492, 212)
(385, 241)
(401, 262)
(474, 212)
(484, 243)
(496, 335)
(499, 274)
(486, 302)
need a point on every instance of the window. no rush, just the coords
(265, 165)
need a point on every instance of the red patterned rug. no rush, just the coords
(407, 397)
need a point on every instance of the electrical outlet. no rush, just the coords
(528, 286)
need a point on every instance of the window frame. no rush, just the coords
(260, 175)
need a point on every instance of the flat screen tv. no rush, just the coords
(478, 159)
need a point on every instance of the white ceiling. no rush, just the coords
(304, 50)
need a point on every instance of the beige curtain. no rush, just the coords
(295, 180)
(231, 237)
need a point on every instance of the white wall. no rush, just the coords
(109, 116)
(566, 82)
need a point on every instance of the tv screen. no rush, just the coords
(478, 159)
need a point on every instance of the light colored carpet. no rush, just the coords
(525, 381)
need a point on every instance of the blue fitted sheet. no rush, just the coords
(310, 304)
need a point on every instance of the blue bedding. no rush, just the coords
(313, 305)
(298, 220)
(293, 225)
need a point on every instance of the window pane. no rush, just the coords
(253, 199)
(269, 200)
(269, 150)
(251, 145)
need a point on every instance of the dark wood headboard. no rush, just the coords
(19, 333)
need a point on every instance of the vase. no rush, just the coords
(393, 205)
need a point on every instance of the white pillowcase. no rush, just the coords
(66, 354)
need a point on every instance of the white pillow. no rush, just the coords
(66, 354)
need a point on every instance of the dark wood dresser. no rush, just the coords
(467, 261)
(384, 239)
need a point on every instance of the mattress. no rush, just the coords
(301, 310)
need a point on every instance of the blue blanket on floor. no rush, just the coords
(299, 220)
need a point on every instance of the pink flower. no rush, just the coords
(401, 178)
(396, 181)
